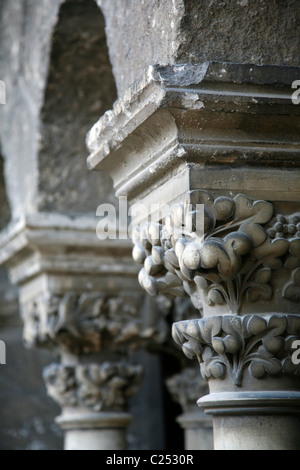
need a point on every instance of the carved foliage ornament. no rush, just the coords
(229, 345)
(107, 387)
(229, 258)
(90, 322)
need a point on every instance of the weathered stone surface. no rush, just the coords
(141, 33)
(232, 252)
(184, 31)
(164, 138)
(59, 88)
(253, 31)
(208, 114)
(104, 387)
(25, 38)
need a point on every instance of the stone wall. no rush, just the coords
(187, 31)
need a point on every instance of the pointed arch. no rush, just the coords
(80, 88)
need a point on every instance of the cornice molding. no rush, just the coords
(56, 243)
(204, 113)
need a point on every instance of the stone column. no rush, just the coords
(186, 388)
(80, 299)
(244, 270)
(212, 152)
(94, 400)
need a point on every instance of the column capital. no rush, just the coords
(81, 323)
(227, 253)
(232, 348)
(219, 144)
(94, 400)
(76, 293)
(100, 388)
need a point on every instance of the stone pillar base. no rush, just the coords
(254, 420)
(95, 431)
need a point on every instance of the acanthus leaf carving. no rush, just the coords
(105, 387)
(92, 322)
(231, 345)
(229, 258)
(291, 291)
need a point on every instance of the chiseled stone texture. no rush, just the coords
(253, 31)
(141, 33)
(187, 31)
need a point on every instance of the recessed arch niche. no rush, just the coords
(80, 88)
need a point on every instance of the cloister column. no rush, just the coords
(80, 299)
(186, 388)
(212, 151)
(79, 296)
(94, 399)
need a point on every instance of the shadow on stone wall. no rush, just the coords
(26, 413)
(80, 88)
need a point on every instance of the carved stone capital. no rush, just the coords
(239, 253)
(186, 388)
(229, 346)
(105, 387)
(219, 143)
(92, 322)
